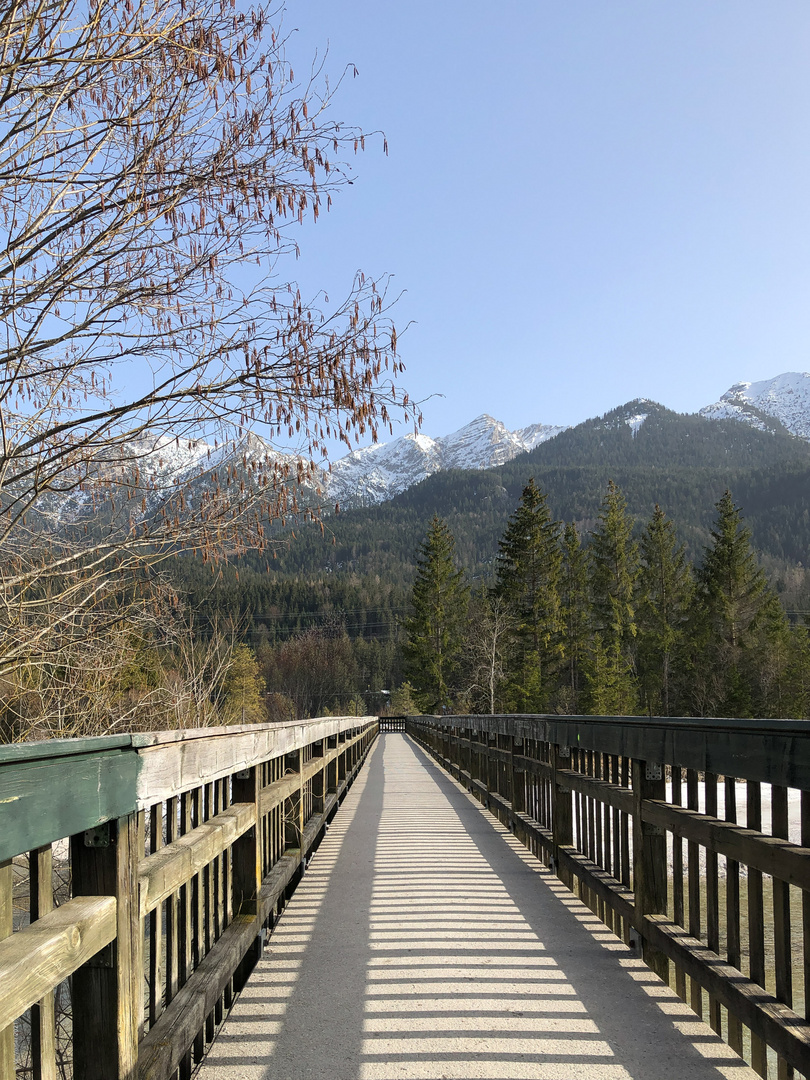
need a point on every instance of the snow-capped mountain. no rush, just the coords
(371, 475)
(376, 473)
(785, 398)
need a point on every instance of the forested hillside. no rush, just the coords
(683, 463)
(352, 580)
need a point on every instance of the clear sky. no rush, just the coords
(584, 201)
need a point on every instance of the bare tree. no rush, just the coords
(154, 157)
(485, 646)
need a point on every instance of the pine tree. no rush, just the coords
(574, 609)
(664, 591)
(528, 580)
(243, 689)
(613, 558)
(739, 624)
(435, 629)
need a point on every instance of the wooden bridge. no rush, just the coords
(495, 897)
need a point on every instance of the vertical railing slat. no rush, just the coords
(6, 928)
(43, 1018)
(756, 923)
(733, 950)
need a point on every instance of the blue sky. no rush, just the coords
(584, 201)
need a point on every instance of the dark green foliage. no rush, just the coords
(637, 639)
(527, 572)
(575, 612)
(613, 558)
(664, 592)
(739, 628)
(436, 627)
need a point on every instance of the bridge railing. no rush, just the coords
(138, 877)
(689, 838)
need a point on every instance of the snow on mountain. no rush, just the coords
(372, 475)
(535, 434)
(479, 445)
(786, 398)
(376, 473)
(635, 422)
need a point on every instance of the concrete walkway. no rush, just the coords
(426, 942)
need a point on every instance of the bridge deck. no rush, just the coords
(426, 942)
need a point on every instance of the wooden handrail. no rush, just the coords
(609, 802)
(37, 959)
(189, 839)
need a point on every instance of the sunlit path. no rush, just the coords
(425, 942)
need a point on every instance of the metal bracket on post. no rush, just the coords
(243, 774)
(634, 941)
(99, 837)
(653, 772)
(565, 751)
(104, 958)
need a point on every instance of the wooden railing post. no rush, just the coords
(6, 927)
(562, 821)
(43, 1048)
(332, 767)
(247, 868)
(294, 806)
(517, 785)
(107, 989)
(319, 780)
(341, 761)
(649, 860)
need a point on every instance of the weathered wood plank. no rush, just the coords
(44, 800)
(155, 924)
(649, 863)
(6, 928)
(163, 872)
(43, 1023)
(774, 1023)
(106, 992)
(725, 747)
(769, 854)
(733, 946)
(171, 763)
(756, 924)
(36, 959)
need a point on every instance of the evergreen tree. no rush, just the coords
(435, 629)
(664, 591)
(402, 701)
(528, 571)
(242, 689)
(613, 558)
(575, 609)
(739, 625)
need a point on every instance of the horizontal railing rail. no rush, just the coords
(145, 870)
(689, 838)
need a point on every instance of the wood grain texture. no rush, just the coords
(6, 927)
(36, 959)
(48, 799)
(163, 872)
(43, 1021)
(171, 764)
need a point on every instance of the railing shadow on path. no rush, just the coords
(425, 942)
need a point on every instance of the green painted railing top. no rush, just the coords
(57, 788)
(51, 748)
